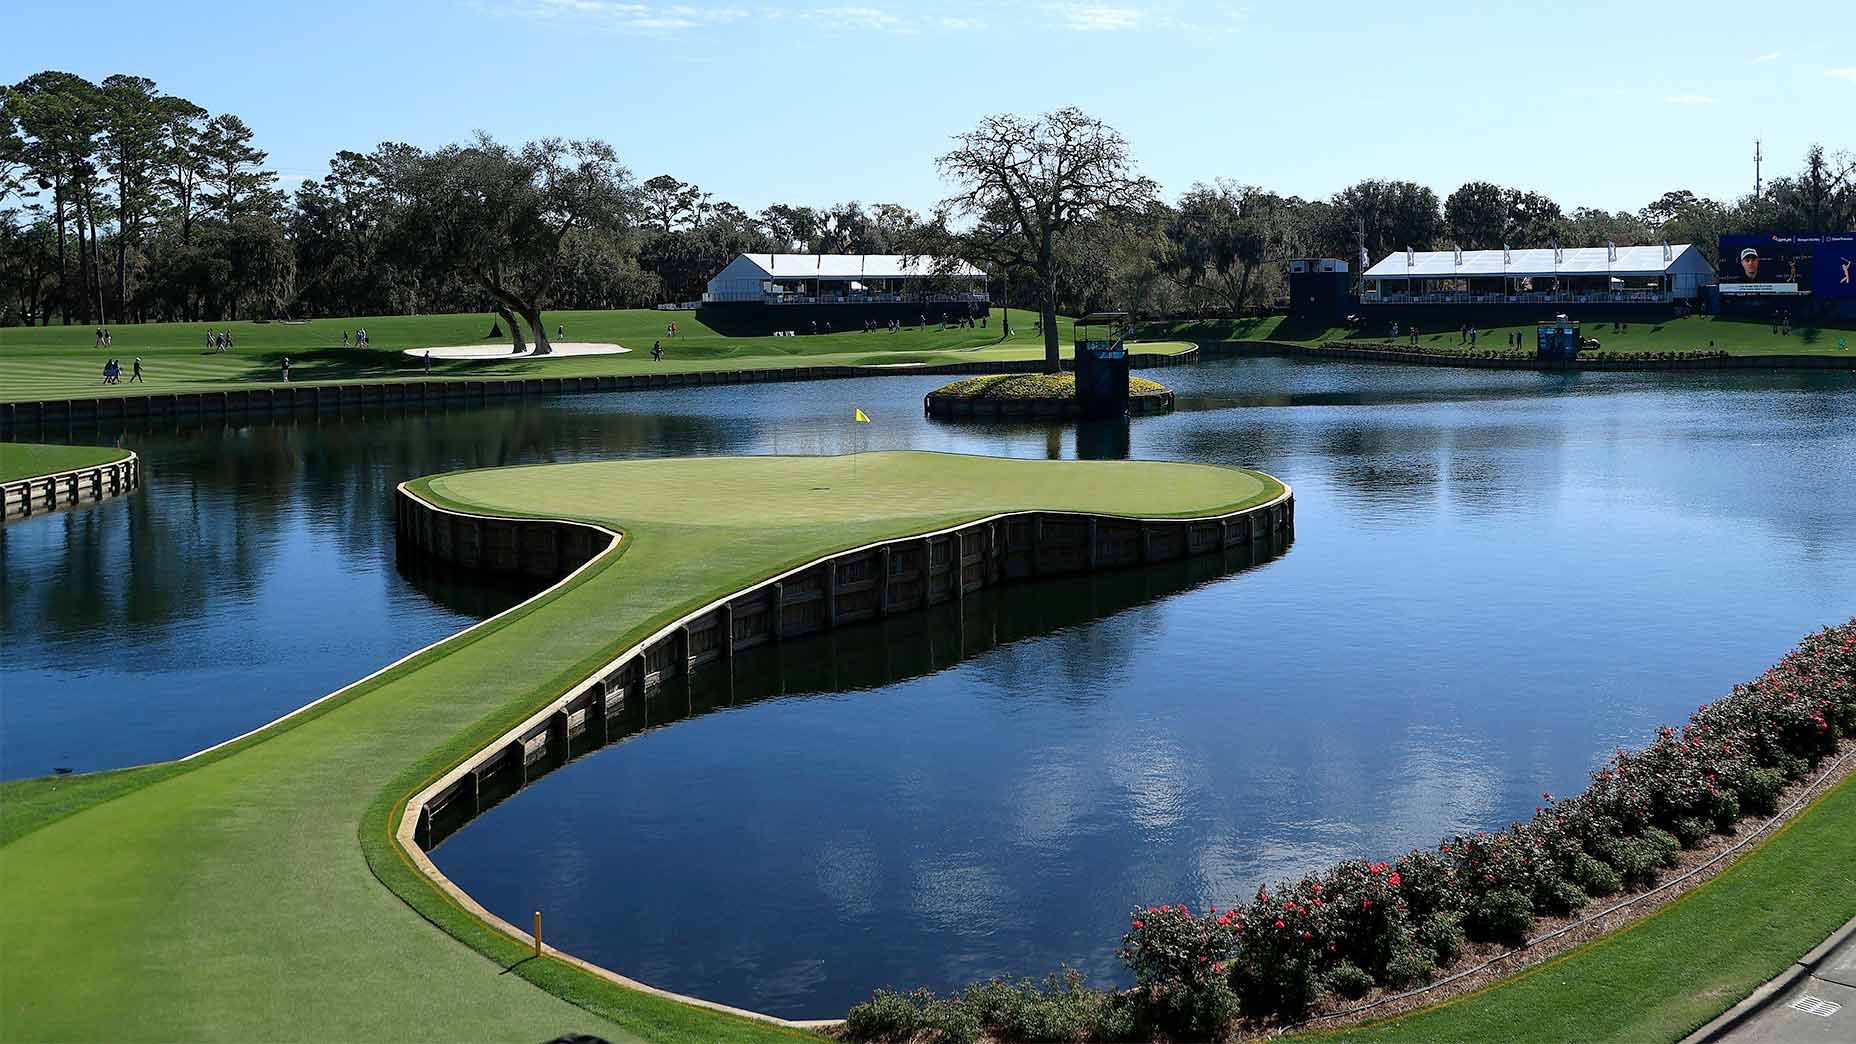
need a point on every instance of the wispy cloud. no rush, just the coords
(626, 15)
(1768, 56)
(1691, 99)
(869, 19)
(1088, 18)
(855, 18)
(1842, 74)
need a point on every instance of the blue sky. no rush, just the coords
(1596, 104)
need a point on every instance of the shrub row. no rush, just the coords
(1363, 925)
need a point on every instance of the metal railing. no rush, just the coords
(954, 296)
(1569, 297)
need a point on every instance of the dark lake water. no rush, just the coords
(1495, 578)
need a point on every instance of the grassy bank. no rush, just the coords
(240, 895)
(1687, 334)
(62, 362)
(19, 460)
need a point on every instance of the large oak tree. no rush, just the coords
(497, 216)
(1025, 183)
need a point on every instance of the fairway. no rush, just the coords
(55, 362)
(240, 895)
(1686, 334)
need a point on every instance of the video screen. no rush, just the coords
(1819, 264)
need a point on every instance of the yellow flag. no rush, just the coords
(862, 418)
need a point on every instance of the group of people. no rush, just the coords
(360, 338)
(112, 371)
(670, 330)
(1467, 335)
(103, 337)
(219, 340)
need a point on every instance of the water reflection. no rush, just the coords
(882, 652)
(1497, 576)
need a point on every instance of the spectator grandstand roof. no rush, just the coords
(847, 266)
(1574, 261)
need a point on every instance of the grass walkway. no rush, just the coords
(240, 896)
(57, 362)
(21, 460)
(1662, 977)
(1689, 333)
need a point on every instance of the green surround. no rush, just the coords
(19, 460)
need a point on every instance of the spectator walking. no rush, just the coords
(657, 351)
(286, 366)
(138, 371)
(428, 360)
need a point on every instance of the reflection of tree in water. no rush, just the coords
(223, 495)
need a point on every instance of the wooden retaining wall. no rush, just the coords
(43, 493)
(1394, 355)
(867, 583)
(419, 393)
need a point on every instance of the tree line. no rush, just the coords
(121, 203)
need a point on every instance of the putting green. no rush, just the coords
(22, 460)
(254, 892)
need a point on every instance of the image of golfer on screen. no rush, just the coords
(1749, 263)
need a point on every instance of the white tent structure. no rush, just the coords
(1648, 274)
(843, 279)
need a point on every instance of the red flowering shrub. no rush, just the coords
(1182, 967)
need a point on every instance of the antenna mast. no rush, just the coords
(1756, 181)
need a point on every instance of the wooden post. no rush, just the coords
(776, 610)
(883, 566)
(538, 933)
(560, 743)
(927, 569)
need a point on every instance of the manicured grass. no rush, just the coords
(20, 460)
(1662, 977)
(240, 896)
(1689, 333)
(55, 362)
(1031, 386)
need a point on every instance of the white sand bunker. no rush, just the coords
(501, 351)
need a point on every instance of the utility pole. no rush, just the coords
(1756, 181)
